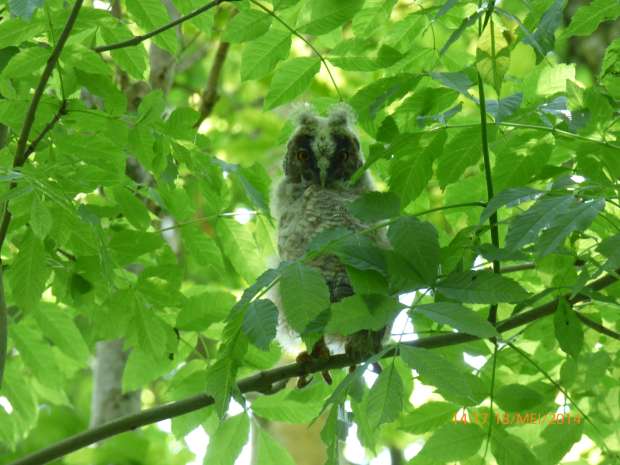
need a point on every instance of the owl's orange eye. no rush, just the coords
(302, 155)
(344, 155)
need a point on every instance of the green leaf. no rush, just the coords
(375, 206)
(577, 218)
(481, 287)
(284, 406)
(457, 316)
(421, 253)
(247, 25)
(14, 31)
(517, 398)
(24, 8)
(26, 62)
(58, 325)
(328, 15)
(427, 417)
(558, 441)
(508, 198)
(370, 100)
(385, 399)
(282, 4)
(304, 295)
(356, 312)
(524, 228)
(568, 329)
(132, 60)
(456, 81)
(261, 55)
(450, 443)
(453, 383)
(290, 79)
(152, 332)
(36, 355)
(240, 248)
(543, 38)
(128, 245)
(220, 382)
(28, 273)
(610, 248)
(202, 310)
(409, 176)
(229, 438)
(587, 18)
(461, 152)
(150, 15)
(511, 450)
(40, 218)
(269, 452)
(134, 210)
(503, 108)
(260, 323)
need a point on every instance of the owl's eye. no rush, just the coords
(302, 155)
(344, 155)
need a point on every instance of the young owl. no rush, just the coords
(322, 155)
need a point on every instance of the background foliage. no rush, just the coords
(143, 213)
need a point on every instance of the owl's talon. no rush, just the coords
(303, 381)
(320, 351)
(327, 377)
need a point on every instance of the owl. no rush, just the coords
(321, 157)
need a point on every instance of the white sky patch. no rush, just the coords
(576, 453)
(402, 328)
(479, 261)
(6, 405)
(577, 178)
(407, 298)
(421, 394)
(197, 442)
(382, 459)
(101, 5)
(243, 215)
(165, 425)
(234, 408)
(370, 377)
(353, 450)
(597, 346)
(560, 399)
(245, 457)
(474, 361)
(205, 126)
(413, 449)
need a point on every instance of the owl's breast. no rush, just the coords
(317, 210)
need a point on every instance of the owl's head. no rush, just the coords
(323, 150)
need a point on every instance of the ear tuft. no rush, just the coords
(341, 114)
(304, 114)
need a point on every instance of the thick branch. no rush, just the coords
(262, 382)
(21, 154)
(141, 38)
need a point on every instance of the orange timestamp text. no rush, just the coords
(518, 418)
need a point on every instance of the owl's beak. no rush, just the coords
(323, 164)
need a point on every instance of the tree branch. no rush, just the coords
(598, 327)
(48, 127)
(264, 380)
(210, 96)
(141, 38)
(21, 154)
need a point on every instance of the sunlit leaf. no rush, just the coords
(290, 79)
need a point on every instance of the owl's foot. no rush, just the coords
(320, 351)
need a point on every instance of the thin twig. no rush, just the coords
(210, 96)
(141, 38)
(306, 41)
(262, 382)
(598, 327)
(48, 127)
